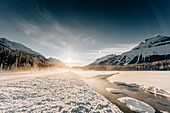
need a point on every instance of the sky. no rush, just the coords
(83, 30)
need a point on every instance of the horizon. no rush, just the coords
(79, 32)
(69, 62)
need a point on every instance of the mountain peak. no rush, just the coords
(157, 35)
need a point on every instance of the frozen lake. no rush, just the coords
(159, 79)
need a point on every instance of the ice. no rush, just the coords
(156, 82)
(120, 83)
(155, 90)
(112, 90)
(136, 105)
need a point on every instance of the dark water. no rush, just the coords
(100, 83)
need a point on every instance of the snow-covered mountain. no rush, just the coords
(17, 47)
(152, 49)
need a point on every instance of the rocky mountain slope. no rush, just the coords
(152, 49)
(15, 55)
(17, 47)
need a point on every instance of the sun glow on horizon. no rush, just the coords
(68, 60)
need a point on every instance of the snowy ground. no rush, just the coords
(52, 92)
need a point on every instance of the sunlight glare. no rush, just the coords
(68, 60)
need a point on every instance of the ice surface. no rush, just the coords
(112, 90)
(156, 82)
(136, 105)
(55, 92)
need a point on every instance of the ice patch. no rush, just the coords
(155, 90)
(120, 83)
(112, 90)
(136, 105)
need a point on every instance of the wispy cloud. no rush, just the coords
(108, 49)
(114, 49)
(53, 38)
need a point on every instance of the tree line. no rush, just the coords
(163, 65)
(11, 60)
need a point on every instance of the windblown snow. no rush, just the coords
(53, 92)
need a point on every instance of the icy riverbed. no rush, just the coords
(52, 92)
(98, 80)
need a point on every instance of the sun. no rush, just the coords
(68, 60)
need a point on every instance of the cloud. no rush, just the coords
(114, 49)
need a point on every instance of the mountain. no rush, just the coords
(56, 61)
(17, 47)
(152, 49)
(14, 55)
(11, 60)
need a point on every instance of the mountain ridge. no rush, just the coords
(152, 49)
(20, 47)
(13, 54)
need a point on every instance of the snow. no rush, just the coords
(156, 82)
(136, 105)
(104, 58)
(112, 90)
(155, 90)
(60, 91)
(164, 111)
(8, 76)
